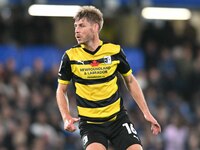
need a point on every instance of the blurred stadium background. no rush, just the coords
(164, 55)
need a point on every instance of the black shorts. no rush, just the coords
(120, 133)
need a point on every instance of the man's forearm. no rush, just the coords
(137, 94)
(63, 105)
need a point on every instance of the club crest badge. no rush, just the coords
(107, 60)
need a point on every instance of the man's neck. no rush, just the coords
(92, 45)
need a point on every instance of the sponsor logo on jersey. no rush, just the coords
(94, 63)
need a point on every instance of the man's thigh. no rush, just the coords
(96, 146)
(135, 147)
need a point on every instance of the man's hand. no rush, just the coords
(155, 127)
(69, 124)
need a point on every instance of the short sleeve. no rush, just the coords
(64, 73)
(123, 67)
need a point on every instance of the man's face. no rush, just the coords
(84, 30)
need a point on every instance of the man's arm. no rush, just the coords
(63, 106)
(138, 96)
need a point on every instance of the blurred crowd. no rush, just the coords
(29, 116)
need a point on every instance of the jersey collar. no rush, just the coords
(92, 52)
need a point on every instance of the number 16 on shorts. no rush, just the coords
(130, 129)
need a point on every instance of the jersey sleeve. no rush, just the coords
(65, 73)
(123, 67)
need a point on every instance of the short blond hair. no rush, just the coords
(92, 14)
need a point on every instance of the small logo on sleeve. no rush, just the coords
(80, 62)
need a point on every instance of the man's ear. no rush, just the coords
(96, 27)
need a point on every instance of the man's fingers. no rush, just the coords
(156, 129)
(69, 125)
(76, 119)
(72, 128)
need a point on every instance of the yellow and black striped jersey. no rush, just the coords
(94, 75)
